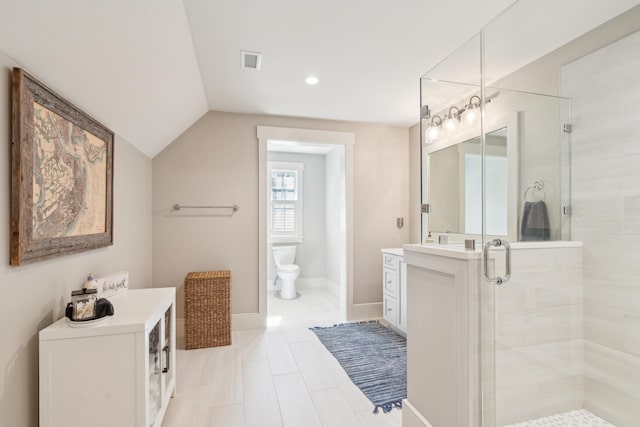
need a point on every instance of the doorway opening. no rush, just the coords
(305, 247)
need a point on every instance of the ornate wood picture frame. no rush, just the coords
(61, 175)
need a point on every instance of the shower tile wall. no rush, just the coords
(605, 91)
(539, 334)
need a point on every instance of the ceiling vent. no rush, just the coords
(250, 60)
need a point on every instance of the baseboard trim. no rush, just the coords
(365, 311)
(239, 322)
(411, 417)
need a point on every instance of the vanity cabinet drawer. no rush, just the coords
(390, 308)
(390, 261)
(390, 282)
(393, 306)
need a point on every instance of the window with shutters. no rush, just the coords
(285, 201)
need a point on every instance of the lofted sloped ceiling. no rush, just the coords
(128, 63)
(148, 69)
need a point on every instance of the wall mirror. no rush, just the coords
(454, 183)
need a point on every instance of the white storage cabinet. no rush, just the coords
(394, 286)
(118, 372)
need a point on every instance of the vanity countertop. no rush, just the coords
(393, 251)
(450, 251)
(457, 250)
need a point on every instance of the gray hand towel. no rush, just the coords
(535, 222)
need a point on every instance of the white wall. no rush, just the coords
(380, 196)
(335, 217)
(34, 295)
(311, 253)
(216, 161)
(605, 88)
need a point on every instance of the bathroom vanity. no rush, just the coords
(394, 285)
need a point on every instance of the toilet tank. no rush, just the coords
(284, 255)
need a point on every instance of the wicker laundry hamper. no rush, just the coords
(207, 306)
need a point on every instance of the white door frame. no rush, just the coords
(347, 139)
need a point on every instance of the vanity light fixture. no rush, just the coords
(451, 122)
(471, 111)
(311, 80)
(434, 129)
(462, 118)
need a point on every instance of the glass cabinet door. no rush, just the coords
(155, 376)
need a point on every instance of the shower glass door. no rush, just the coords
(530, 322)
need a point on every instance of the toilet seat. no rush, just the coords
(288, 268)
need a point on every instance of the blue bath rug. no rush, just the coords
(374, 357)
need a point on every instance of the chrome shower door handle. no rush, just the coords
(485, 255)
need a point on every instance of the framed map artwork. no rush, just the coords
(61, 175)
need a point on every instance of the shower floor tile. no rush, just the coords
(581, 418)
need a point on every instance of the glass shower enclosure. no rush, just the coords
(512, 158)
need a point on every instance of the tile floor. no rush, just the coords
(284, 376)
(281, 376)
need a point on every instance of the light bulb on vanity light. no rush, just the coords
(471, 112)
(451, 122)
(470, 117)
(433, 133)
(434, 130)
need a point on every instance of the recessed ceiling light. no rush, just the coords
(311, 80)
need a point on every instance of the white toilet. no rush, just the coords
(287, 270)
